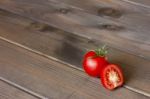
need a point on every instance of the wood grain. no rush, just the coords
(128, 6)
(143, 3)
(114, 32)
(70, 48)
(9, 92)
(53, 79)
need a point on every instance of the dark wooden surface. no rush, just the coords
(70, 48)
(52, 79)
(8, 91)
(143, 3)
(62, 31)
(130, 29)
(121, 7)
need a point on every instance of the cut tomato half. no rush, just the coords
(112, 77)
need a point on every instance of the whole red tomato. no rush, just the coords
(112, 76)
(89, 54)
(95, 61)
(94, 65)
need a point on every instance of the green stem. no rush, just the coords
(101, 51)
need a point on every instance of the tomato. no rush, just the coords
(94, 61)
(112, 76)
(92, 54)
(94, 65)
(89, 54)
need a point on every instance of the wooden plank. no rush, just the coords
(143, 3)
(53, 79)
(70, 48)
(127, 6)
(117, 10)
(9, 92)
(72, 19)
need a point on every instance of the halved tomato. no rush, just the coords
(112, 77)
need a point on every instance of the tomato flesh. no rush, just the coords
(112, 77)
(94, 65)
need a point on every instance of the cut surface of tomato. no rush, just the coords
(112, 77)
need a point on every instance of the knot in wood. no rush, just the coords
(111, 27)
(115, 13)
(64, 10)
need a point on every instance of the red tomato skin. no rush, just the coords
(103, 80)
(89, 54)
(94, 65)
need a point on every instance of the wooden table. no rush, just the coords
(42, 43)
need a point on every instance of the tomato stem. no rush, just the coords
(101, 51)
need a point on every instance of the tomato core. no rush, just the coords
(112, 77)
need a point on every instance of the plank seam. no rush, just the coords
(135, 3)
(39, 53)
(23, 89)
(62, 62)
(137, 91)
(84, 36)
